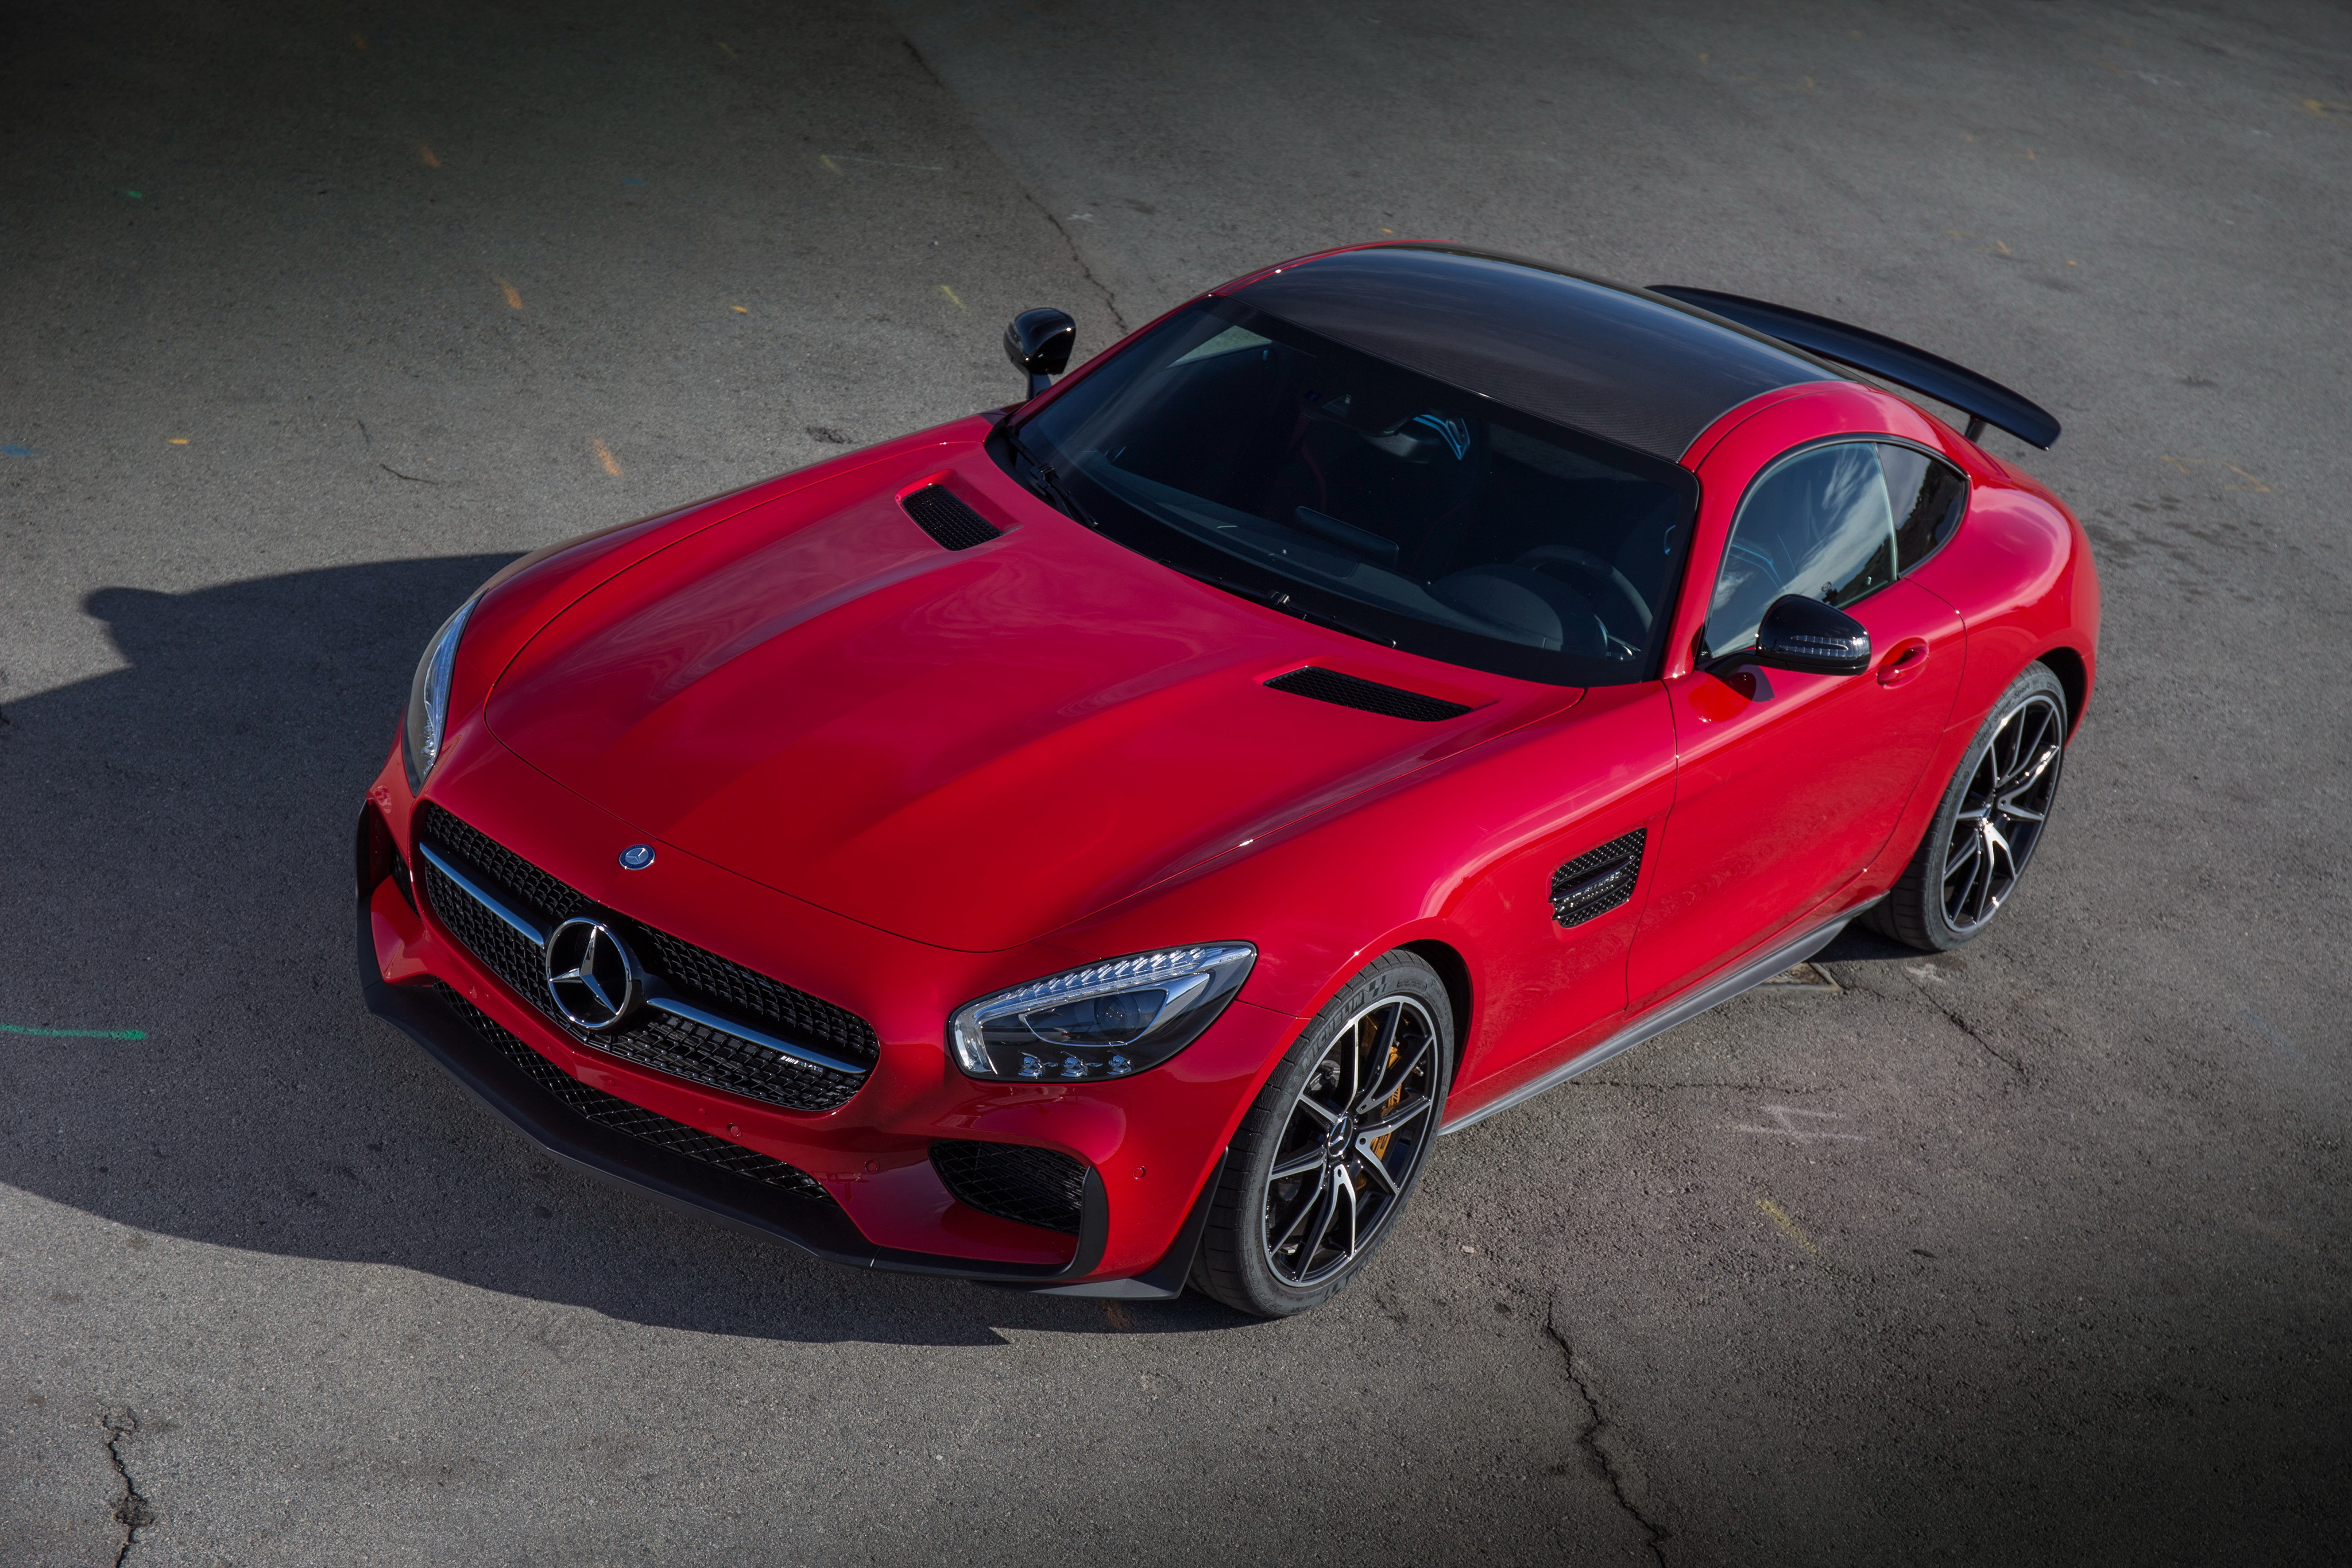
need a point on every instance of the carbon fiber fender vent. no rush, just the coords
(1013, 1181)
(1598, 881)
(1349, 691)
(939, 513)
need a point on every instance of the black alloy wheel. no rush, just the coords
(1990, 821)
(1329, 1153)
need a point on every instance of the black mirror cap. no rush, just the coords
(1038, 342)
(1807, 636)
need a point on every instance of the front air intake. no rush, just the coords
(1013, 1181)
(939, 513)
(1349, 691)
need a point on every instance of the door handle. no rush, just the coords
(1907, 660)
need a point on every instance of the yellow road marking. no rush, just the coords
(430, 161)
(1780, 1216)
(951, 295)
(605, 456)
(741, 310)
(2183, 466)
(828, 163)
(514, 296)
(176, 440)
(2338, 111)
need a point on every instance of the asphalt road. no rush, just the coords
(312, 314)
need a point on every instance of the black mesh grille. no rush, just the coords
(1347, 691)
(939, 512)
(1013, 1181)
(659, 1040)
(1598, 881)
(612, 1111)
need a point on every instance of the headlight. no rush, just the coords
(428, 698)
(1106, 1020)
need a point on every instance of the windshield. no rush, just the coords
(1290, 469)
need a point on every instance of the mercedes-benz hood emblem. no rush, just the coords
(592, 975)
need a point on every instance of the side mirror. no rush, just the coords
(1805, 634)
(1038, 343)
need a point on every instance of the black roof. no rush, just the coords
(1595, 356)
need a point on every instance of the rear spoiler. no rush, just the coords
(1983, 400)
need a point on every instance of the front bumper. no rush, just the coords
(1151, 1145)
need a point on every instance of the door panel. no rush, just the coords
(1788, 785)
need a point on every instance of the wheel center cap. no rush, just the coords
(1342, 1134)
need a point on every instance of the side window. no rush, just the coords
(1928, 498)
(1819, 524)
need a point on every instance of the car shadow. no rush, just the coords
(183, 1048)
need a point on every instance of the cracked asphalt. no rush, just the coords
(313, 314)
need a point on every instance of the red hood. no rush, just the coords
(970, 748)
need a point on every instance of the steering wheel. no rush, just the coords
(1591, 565)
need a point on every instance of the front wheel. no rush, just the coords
(1333, 1147)
(1990, 821)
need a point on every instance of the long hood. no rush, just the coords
(971, 747)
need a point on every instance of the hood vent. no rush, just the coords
(1347, 691)
(939, 513)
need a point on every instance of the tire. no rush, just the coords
(1992, 820)
(1354, 1134)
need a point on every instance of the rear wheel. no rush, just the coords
(1990, 823)
(1334, 1145)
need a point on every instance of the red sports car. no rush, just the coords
(1100, 845)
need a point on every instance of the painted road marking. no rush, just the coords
(514, 295)
(1784, 1128)
(1780, 1216)
(605, 456)
(425, 152)
(76, 1034)
(2185, 464)
(175, 440)
(952, 299)
(883, 162)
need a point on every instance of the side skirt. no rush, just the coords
(1659, 1019)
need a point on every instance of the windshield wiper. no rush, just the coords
(1047, 483)
(1275, 599)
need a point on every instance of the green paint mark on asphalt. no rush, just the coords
(78, 1033)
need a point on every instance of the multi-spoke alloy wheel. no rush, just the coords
(1355, 1134)
(2003, 811)
(1327, 1156)
(1990, 823)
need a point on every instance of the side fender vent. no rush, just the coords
(1598, 881)
(938, 512)
(1347, 691)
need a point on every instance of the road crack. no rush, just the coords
(131, 1511)
(1110, 299)
(2014, 1064)
(1589, 1441)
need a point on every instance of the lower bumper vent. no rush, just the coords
(612, 1111)
(1013, 1181)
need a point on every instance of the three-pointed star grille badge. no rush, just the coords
(592, 974)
